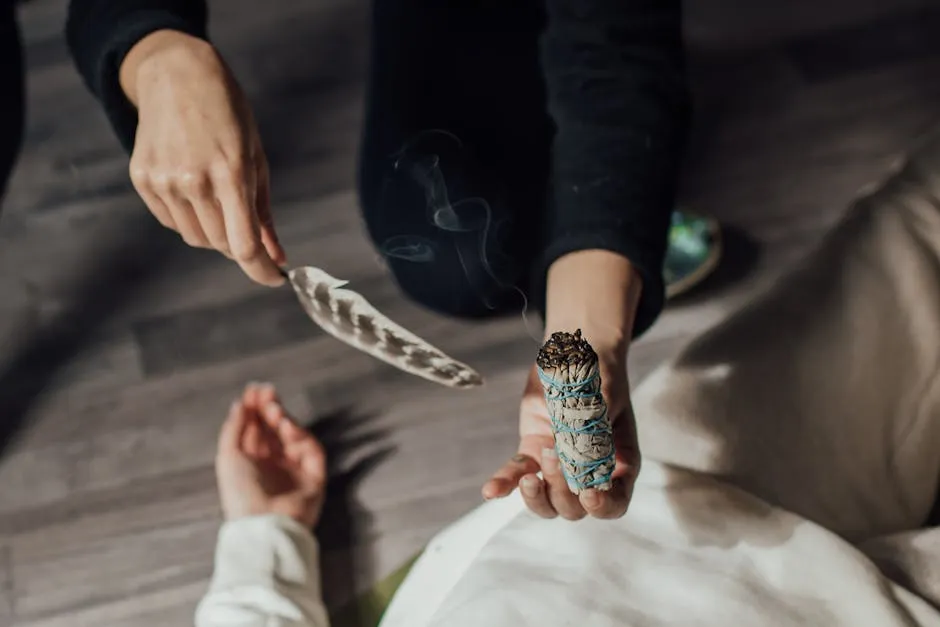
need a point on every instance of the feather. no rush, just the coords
(348, 316)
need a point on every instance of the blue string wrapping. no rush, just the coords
(587, 416)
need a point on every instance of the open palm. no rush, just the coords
(549, 495)
(267, 463)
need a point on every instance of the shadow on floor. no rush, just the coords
(117, 277)
(355, 449)
(933, 520)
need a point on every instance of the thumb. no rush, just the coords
(233, 429)
(265, 216)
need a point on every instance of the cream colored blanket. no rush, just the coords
(792, 457)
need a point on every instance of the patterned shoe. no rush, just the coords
(693, 252)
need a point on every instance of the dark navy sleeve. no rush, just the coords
(100, 33)
(618, 93)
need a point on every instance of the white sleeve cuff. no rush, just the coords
(266, 574)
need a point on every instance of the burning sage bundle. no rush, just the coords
(570, 376)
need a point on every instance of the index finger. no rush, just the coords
(243, 230)
(507, 477)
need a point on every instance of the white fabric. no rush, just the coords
(692, 551)
(266, 575)
(791, 457)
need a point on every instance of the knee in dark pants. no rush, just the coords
(12, 105)
(438, 270)
(441, 288)
(446, 246)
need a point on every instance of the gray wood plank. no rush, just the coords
(149, 537)
(229, 330)
(170, 606)
(6, 584)
(110, 570)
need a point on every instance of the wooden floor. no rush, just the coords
(121, 348)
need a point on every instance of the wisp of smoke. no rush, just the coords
(457, 217)
(410, 248)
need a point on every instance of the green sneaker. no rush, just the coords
(693, 252)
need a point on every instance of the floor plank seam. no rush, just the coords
(7, 587)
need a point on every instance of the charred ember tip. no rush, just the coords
(564, 348)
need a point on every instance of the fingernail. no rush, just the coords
(495, 491)
(529, 487)
(590, 498)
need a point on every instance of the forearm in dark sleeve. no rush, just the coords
(618, 94)
(101, 32)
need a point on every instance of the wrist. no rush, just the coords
(156, 54)
(597, 291)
